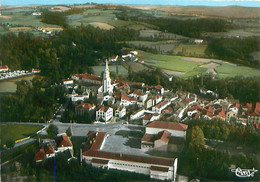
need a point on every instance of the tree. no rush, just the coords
(52, 131)
(10, 143)
(68, 132)
(195, 137)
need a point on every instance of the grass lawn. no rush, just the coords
(16, 132)
(136, 67)
(190, 50)
(121, 70)
(227, 70)
(174, 63)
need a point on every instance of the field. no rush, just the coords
(185, 67)
(190, 50)
(22, 20)
(136, 67)
(16, 132)
(121, 70)
(227, 70)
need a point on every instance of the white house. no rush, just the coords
(104, 113)
(67, 82)
(137, 114)
(176, 129)
(127, 101)
(4, 68)
(120, 112)
(161, 106)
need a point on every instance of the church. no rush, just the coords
(106, 87)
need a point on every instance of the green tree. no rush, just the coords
(68, 132)
(52, 131)
(195, 137)
(10, 143)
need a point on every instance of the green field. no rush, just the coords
(190, 50)
(16, 132)
(174, 63)
(227, 70)
(121, 70)
(136, 67)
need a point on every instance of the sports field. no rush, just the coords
(16, 132)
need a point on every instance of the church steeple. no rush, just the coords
(106, 79)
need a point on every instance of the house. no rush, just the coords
(49, 152)
(254, 113)
(63, 143)
(156, 141)
(127, 101)
(4, 68)
(113, 58)
(40, 155)
(137, 114)
(161, 106)
(67, 82)
(198, 41)
(158, 168)
(230, 114)
(84, 108)
(87, 78)
(104, 113)
(234, 108)
(75, 97)
(176, 129)
(157, 88)
(220, 114)
(120, 112)
(121, 85)
(35, 70)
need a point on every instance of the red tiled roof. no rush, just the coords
(85, 105)
(129, 158)
(124, 97)
(187, 100)
(117, 94)
(161, 104)
(137, 112)
(159, 87)
(68, 79)
(136, 92)
(157, 168)
(63, 141)
(99, 161)
(221, 113)
(147, 117)
(164, 136)
(39, 155)
(4, 67)
(197, 107)
(167, 125)
(148, 138)
(49, 150)
(103, 108)
(98, 140)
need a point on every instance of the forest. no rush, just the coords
(195, 158)
(235, 50)
(187, 27)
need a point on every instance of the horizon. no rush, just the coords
(204, 3)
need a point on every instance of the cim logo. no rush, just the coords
(244, 172)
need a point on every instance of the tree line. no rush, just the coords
(73, 50)
(192, 27)
(201, 162)
(235, 50)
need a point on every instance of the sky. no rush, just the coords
(248, 3)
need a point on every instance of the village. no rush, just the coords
(158, 116)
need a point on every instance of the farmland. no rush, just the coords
(185, 67)
(190, 50)
(16, 132)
